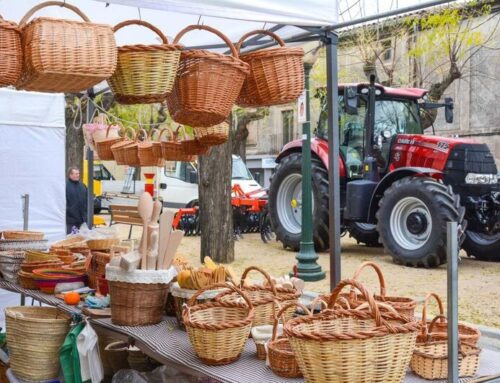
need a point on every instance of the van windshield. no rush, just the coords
(240, 170)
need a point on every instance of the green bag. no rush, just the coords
(68, 355)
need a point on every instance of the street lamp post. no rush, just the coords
(307, 267)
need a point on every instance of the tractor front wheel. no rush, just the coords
(412, 218)
(482, 246)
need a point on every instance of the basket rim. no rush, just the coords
(221, 325)
(470, 350)
(10, 312)
(149, 47)
(220, 58)
(272, 52)
(57, 20)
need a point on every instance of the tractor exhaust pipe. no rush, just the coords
(370, 169)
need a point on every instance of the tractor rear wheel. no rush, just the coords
(412, 218)
(482, 246)
(366, 233)
(285, 198)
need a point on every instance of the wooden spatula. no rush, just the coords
(166, 219)
(173, 244)
(145, 209)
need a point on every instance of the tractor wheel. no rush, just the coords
(364, 233)
(285, 196)
(482, 246)
(412, 218)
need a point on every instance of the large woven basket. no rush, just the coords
(430, 360)
(276, 74)
(137, 304)
(348, 345)
(263, 298)
(437, 329)
(145, 74)
(65, 55)
(218, 331)
(34, 336)
(213, 135)
(207, 83)
(11, 53)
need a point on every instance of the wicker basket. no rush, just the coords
(34, 336)
(71, 65)
(213, 135)
(171, 148)
(218, 331)
(39, 256)
(192, 146)
(348, 345)
(145, 73)
(23, 235)
(99, 130)
(437, 329)
(11, 53)
(102, 244)
(117, 147)
(276, 75)
(146, 153)
(104, 147)
(28, 267)
(207, 83)
(27, 280)
(137, 304)
(263, 298)
(10, 264)
(430, 360)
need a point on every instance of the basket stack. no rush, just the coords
(10, 265)
(96, 267)
(11, 53)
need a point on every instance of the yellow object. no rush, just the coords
(99, 221)
(72, 298)
(209, 263)
(294, 203)
(85, 179)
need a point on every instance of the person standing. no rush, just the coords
(76, 200)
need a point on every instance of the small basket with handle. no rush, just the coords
(118, 148)
(191, 145)
(11, 53)
(145, 151)
(171, 148)
(213, 135)
(104, 147)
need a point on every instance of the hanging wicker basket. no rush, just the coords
(156, 144)
(207, 83)
(98, 130)
(104, 147)
(145, 74)
(218, 331)
(84, 55)
(172, 149)
(263, 298)
(276, 74)
(191, 145)
(118, 147)
(11, 53)
(145, 151)
(213, 135)
(346, 345)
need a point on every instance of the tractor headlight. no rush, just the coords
(481, 179)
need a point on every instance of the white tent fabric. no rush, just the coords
(32, 161)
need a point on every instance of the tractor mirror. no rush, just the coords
(351, 100)
(448, 110)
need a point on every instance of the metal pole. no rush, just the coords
(331, 41)
(90, 168)
(26, 210)
(307, 266)
(452, 282)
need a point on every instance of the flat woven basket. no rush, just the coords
(263, 298)
(213, 135)
(437, 329)
(430, 360)
(348, 345)
(104, 146)
(65, 55)
(102, 244)
(11, 53)
(145, 74)
(23, 235)
(207, 83)
(218, 331)
(34, 336)
(276, 74)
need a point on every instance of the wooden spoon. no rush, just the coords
(173, 244)
(145, 209)
(166, 219)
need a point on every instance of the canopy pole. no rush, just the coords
(90, 166)
(332, 85)
(452, 282)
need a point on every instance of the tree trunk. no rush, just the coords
(241, 134)
(74, 135)
(216, 212)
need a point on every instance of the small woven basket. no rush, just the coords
(146, 153)
(10, 264)
(437, 329)
(192, 146)
(34, 337)
(117, 147)
(207, 83)
(430, 360)
(11, 53)
(346, 345)
(85, 53)
(39, 256)
(102, 244)
(213, 135)
(171, 148)
(218, 331)
(145, 74)
(276, 74)
(104, 147)
(23, 235)
(27, 280)
(130, 152)
(263, 298)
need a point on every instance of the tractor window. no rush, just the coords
(351, 130)
(396, 116)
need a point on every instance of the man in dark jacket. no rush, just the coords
(76, 201)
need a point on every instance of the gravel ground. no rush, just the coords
(479, 282)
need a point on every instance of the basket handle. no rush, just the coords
(380, 275)
(145, 136)
(424, 310)
(226, 285)
(379, 304)
(369, 297)
(36, 8)
(433, 322)
(122, 129)
(189, 28)
(265, 274)
(323, 304)
(167, 129)
(163, 38)
(282, 311)
(278, 39)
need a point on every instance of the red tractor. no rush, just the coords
(399, 187)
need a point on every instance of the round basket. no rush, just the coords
(10, 264)
(11, 53)
(23, 235)
(145, 74)
(263, 298)
(213, 135)
(39, 256)
(348, 345)
(30, 266)
(276, 74)
(73, 64)
(47, 279)
(118, 146)
(191, 145)
(218, 331)
(104, 147)
(27, 280)
(437, 329)
(207, 83)
(102, 244)
(145, 151)
(34, 336)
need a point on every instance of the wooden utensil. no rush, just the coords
(153, 251)
(173, 244)
(145, 209)
(153, 223)
(166, 219)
